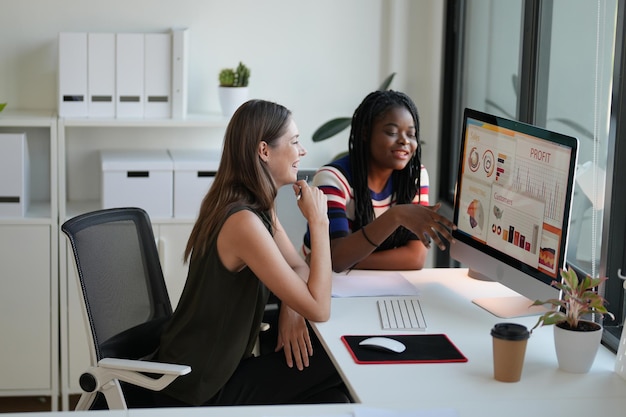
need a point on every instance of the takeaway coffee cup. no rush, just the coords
(509, 348)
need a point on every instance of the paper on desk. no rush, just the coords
(371, 285)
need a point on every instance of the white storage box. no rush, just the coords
(14, 175)
(194, 171)
(138, 178)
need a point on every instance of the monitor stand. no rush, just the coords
(506, 307)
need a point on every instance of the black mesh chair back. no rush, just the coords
(121, 280)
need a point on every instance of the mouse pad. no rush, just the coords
(420, 348)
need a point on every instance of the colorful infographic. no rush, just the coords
(512, 194)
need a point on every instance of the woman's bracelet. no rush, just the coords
(367, 238)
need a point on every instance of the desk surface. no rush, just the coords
(469, 388)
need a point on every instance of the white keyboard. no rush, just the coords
(401, 313)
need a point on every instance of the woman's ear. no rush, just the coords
(263, 151)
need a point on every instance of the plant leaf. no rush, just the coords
(385, 85)
(553, 301)
(551, 317)
(331, 128)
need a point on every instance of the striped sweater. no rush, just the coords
(335, 181)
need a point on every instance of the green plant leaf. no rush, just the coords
(385, 85)
(331, 128)
(2, 106)
(579, 297)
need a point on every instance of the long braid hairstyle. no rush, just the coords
(406, 182)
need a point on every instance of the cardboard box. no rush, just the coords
(138, 178)
(194, 172)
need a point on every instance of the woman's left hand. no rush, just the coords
(293, 338)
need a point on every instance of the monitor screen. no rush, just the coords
(512, 207)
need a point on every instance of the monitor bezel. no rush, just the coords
(535, 131)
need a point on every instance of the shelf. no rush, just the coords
(41, 137)
(74, 208)
(192, 120)
(37, 213)
(79, 166)
(27, 118)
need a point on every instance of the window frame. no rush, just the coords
(537, 17)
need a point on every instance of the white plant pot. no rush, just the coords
(231, 98)
(576, 351)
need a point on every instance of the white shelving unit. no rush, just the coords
(44, 352)
(29, 263)
(80, 141)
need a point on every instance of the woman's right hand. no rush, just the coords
(426, 223)
(311, 201)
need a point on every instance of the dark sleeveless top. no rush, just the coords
(215, 324)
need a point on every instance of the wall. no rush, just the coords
(317, 57)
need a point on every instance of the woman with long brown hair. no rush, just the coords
(238, 253)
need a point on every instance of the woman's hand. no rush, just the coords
(293, 338)
(311, 201)
(427, 224)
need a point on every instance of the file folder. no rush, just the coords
(101, 74)
(129, 75)
(72, 74)
(180, 56)
(157, 75)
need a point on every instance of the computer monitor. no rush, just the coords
(512, 208)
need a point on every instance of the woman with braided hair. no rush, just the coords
(378, 193)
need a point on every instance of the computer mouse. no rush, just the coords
(385, 344)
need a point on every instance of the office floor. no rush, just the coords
(29, 404)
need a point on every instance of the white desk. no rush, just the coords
(468, 387)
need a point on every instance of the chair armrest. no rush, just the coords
(144, 366)
(106, 375)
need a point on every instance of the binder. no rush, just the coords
(157, 75)
(101, 74)
(129, 75)
(180, 57)
(72, 100)
(14, 175)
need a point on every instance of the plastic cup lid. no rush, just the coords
(510, 331)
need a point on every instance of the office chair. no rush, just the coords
(126, 305)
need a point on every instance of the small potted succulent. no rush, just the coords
(576, 340)
(233, 88)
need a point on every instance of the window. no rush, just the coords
(556, 64)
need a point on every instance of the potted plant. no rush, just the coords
(576, 340)
(233, 88)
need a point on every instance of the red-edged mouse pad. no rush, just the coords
(420, 348)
